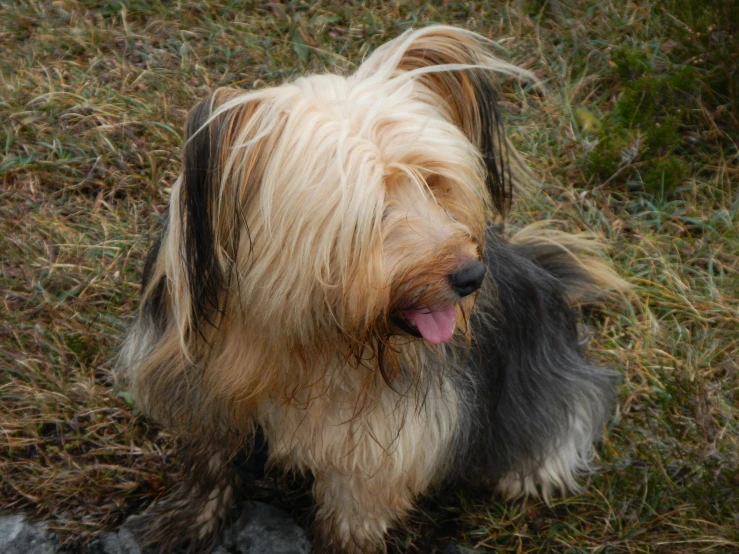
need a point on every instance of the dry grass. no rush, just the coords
(92, 102)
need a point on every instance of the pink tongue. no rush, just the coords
(436, 327)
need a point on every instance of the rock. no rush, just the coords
(19, 536)
(259, 529)
(122, 542)
(263, 529)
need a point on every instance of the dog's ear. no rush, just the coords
(225, 138)
(206, 137)
(458, 69)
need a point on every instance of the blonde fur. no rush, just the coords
(332, 204)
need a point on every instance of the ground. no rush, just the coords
(635, 141)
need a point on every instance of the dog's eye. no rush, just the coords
(438, 185)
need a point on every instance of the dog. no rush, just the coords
(334, 275)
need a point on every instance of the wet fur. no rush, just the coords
(306, 219)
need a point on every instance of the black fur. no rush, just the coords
(154, 307)
(526, 365)
(490, 137)
(201, 176)
(492, 144)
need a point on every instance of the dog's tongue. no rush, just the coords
(435, 326)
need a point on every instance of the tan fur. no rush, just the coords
(370, 467)
(339, 200)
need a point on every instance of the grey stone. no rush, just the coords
(263, 529)
(122, 542)
(19, 536)
(128, 543)
(107, 543)
(10, 528)
(259, 529)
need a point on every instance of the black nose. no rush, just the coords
(469, 279)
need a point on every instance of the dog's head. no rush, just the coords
(343, 208)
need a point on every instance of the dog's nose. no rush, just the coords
(468, 279)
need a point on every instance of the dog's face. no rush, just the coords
(349, 207)
(403, 238)
(432, 239)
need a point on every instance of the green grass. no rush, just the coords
(636, 142)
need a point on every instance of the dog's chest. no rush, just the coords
(337, 428)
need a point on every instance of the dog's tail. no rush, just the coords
(576, 260)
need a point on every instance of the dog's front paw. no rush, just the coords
(347, 536)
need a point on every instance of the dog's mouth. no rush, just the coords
(435, 325)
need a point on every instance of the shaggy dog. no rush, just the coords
(331, 275)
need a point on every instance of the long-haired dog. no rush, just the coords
(331, 274)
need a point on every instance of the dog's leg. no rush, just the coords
(191, 513)
(369, 467)
(354, 513)
(570, 457)
(373, 480)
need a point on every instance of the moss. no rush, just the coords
(664, 174)
(605, 158)
(630, 62)
(653, 113)
(665, 92)
(534, 7)
(709, 35)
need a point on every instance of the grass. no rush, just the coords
(636, 141)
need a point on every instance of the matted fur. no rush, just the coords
(309, 220)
